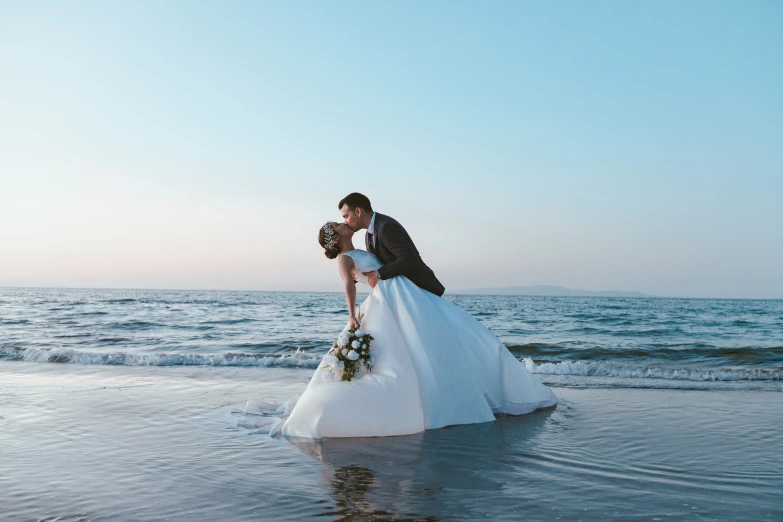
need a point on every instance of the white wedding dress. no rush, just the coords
(435, 366)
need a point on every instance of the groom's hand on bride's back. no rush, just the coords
(372, 277)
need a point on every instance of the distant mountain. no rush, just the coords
(546, 290)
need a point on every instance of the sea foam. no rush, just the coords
(301, 359)
(604, 369)
(297, 359)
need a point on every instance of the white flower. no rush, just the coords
(345, 351)
(330, 359)
(344, 337)
(352, 355)
(358, 333)
(340, 365)
(355, 345)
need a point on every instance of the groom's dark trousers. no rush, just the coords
(395, 249)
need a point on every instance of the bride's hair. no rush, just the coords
(327, 238)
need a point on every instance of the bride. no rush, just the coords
(435, 365)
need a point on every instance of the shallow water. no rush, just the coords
(80, 442)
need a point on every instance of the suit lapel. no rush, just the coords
(370, 248)
(378, 248)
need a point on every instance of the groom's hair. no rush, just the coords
(355, 200)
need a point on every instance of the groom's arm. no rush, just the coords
(399, 242)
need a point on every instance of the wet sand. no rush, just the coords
(160, 443)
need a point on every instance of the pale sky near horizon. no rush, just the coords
(595, 145)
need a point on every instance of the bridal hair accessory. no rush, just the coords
(330, 237)
(349, 353)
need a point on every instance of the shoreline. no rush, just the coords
(107, 441)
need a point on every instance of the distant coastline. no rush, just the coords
(547, 290)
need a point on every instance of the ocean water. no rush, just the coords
(567, 341)
(124, 405)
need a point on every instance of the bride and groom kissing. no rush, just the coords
(434, 364)
(385, 238)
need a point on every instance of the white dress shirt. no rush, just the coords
(371, 229)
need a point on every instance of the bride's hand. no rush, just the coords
(372, 277)
(353, 323)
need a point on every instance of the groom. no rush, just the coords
(390, 242)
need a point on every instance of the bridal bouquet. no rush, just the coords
(351, 350)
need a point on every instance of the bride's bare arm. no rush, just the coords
(346, 272)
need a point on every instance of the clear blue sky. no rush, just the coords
(595, 145)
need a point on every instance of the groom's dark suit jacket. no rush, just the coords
(399, 256)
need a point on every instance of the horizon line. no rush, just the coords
(456, 292)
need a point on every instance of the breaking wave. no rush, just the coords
(604, 369)
(297, 359)
(701, 352)
(302, 359)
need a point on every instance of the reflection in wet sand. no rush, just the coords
(433, 475)
(349, 487)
